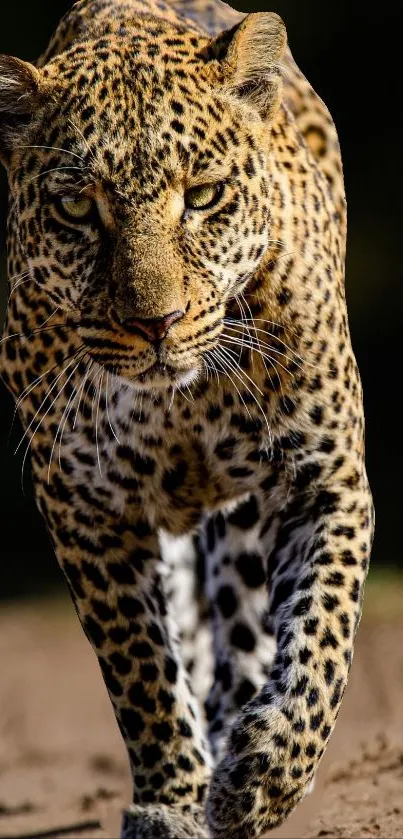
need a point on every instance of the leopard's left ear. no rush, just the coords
(250, 53)
(20, 97)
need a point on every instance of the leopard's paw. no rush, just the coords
(257, 784)
(161, 821)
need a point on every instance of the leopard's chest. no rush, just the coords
(175, 463)
(204, 471)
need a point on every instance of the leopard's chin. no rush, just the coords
(163, 376)
(158, 376)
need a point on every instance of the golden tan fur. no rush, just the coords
(240, 430)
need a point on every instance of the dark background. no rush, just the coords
(352, 56)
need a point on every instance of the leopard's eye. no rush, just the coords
(75, 208)
(203, 197)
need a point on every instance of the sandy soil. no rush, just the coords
(62, 760)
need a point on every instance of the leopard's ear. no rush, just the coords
(250, 53)
(20, 96)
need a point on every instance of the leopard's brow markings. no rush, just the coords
(240, 430)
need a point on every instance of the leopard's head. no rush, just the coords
(137, 165)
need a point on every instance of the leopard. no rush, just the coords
(177, 345)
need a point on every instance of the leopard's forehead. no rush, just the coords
(146, 99)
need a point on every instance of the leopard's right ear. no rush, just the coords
(250, 54)
(20, 95)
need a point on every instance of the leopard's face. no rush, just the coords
(142, 193)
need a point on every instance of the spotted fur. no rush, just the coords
(187, 374)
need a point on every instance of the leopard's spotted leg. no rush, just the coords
(236, 589)
(317, 566)
(113, 567)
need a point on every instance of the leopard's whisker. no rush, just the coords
(107, 407)
(67, 411)
(46, 412)
(182, 393)
(257, 337)
(230, 366)
(259, 347)
(233, 322)
(42, 419)
(207, 368)
(190, 393)
(136, 399)
(53, 148)
(16, 277)
(84, 139)
(226, 350)
(275, 362)
(29, 388)
(98, 374)
(234, 364)
(23, 335)
(96, 421)
(60, 429)
(137, 402)
(171, 401)
(251, 347)
(52, 314)
(14, 335)
(295, 357)
(17, 285)
(48, 392)
(82, 389)
(241, 309)
(213, 369)
(277, 242)
(265, 357)
(223, 364)
(55, 169)
(275, 325)
(228, 363)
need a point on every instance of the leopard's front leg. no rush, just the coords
(236, 591)
(317, 566)
(112, 566)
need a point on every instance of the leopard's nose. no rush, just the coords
(152, 329)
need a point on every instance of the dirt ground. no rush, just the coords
(62, 761)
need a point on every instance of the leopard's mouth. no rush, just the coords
(156, 369)
(164, 375)
(161, 365)
(157, 376)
